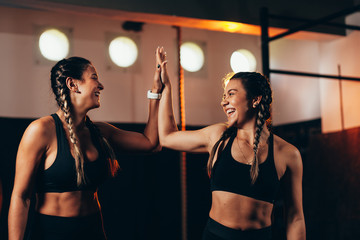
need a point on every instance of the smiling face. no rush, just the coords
(89, 87)
(235, 103)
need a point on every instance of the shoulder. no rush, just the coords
(215, 131)
(287, 153)
(216, 128)
(105, 128)
(42, 126)
(39, 132)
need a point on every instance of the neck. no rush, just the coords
(246, 132)
(77, 118)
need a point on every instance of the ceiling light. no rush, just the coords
(242, 60)
(192, 57)
(123, 51)
(54, 45)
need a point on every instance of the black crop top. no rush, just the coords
(61, 175)
(230, 175)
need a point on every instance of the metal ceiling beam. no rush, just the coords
(316, 22)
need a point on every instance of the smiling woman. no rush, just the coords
(247, 162)
(65, 157)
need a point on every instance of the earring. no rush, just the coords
(77, 91)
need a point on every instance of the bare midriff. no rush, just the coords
(240, 212)
(68, 204)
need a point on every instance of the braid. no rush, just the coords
(71, 67)
(226, 134)
(65, 107)
(254, 170)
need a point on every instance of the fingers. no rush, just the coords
(157, 56)
(160, 56)
(161, 74)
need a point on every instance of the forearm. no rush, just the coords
(18, 214)
(296, 230)
(167, 122)
(151, 129)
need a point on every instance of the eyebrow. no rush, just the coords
(232, 89)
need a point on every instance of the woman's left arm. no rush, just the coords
(147, 141)
(295, 220)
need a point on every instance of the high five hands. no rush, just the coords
(161, 64)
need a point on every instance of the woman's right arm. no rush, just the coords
(33, 146)
(189, 141)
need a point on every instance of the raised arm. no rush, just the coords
(32, 148)
(134, 141)
(190, 141)
(293, 196)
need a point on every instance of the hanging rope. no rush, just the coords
(182, 126)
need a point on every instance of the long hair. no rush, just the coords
(74, 67)
(255, 84)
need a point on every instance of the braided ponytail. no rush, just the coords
(79, 158)
(254, 170)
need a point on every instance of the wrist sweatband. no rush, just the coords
(151, 95)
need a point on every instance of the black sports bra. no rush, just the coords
(61, 175)
(232, 176)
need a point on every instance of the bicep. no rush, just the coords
(200, 140)
(187, 141)
(129, 141)
(30, 152)
(293, 185)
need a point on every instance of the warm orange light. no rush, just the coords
(231, 26)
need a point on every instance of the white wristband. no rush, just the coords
(151, 95)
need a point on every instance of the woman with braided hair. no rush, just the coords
(65, 157)
(246, 163)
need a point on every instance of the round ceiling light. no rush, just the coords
(192, 57)
(123, 51)
(54, 45)
(242, 60)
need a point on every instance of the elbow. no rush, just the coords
(153, 147)
(163, 140)
(156, 149)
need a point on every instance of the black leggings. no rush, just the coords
(217, 231)
(46, 227)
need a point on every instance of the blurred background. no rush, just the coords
(314, 74)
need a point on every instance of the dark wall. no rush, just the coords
(332, 186)
(331, 181)
(143, 200)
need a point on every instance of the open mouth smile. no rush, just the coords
(230, 111)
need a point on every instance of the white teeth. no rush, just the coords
(97, 94)
(230, 111)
